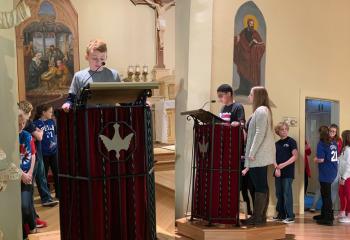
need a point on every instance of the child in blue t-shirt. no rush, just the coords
(43, 120)
(327, 160)
(27, 162)
(286, 155)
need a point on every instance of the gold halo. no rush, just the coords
(249, 16)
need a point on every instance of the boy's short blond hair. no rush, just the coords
(96, 45)
(25, 106)
(280, 125)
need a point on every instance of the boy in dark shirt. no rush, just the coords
(232, 111)
(286, 155)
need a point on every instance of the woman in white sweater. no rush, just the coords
(344, 182)
(260, 152)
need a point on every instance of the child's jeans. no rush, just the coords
(40, 177)
(344, 196)
(28, 215)
(284, 194)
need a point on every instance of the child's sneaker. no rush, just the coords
(50, 203)
(288, 220)
(277, 219)
(40, 223)
(344, 220)
(341, 214)
(312, 210)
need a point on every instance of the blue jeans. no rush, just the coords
(40, 176)
(284, 194)
(28, 214)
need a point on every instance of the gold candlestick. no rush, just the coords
(137, 73)
(130, 74)
(145, 73)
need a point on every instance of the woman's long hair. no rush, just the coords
(345, 135)
(261, 98)
(324, 134)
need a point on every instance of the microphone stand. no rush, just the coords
(83, 88)
(211, 101)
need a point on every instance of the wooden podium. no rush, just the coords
(106, 164)
(215, 183)
(215, 169)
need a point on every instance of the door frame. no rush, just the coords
(303, 96)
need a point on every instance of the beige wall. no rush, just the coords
(193, 75)
(10, 211)
(128, 30)
(304, 58)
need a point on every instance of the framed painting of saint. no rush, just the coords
(249, 49)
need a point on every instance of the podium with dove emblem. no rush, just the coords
(215, 179)
(106, 164)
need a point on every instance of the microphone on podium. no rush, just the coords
(207, 102)
(84, 83)
(102, 64)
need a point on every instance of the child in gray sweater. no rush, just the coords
(96, 55)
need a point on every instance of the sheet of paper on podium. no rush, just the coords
(118, 92)
(204, 116)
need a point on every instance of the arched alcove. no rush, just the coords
(249, 49)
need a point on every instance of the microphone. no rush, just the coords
(94, 72)
(84, 83)
(207, 102)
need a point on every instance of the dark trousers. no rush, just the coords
(306, 183)
(27, 204)
(51, 162)
(326, 194)
(247, 186)
(258, 176)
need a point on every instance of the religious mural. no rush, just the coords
(249, 49)
(47, 52)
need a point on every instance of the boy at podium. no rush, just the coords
(96, 55)
(232, 111)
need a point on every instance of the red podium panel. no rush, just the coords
(216, 170)
(106, 173)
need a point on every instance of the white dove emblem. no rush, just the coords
(117, 143)
(203, 147)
